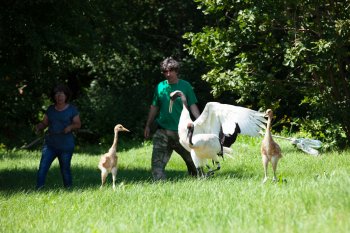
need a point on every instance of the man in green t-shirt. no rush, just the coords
(166, 138)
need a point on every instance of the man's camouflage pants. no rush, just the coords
(164, 143)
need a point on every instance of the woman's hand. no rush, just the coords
(39, 128)
(68, 129)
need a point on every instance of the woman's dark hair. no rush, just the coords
(61, 88)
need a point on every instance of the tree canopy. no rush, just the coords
(107, 52)
(292, 56)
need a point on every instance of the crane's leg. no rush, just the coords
(265, 162)
(211, 172)
(218, 167)
(274, 161)
(104, 174)
(221, 141)
(200, 173)
(221, 152)
(114, 175)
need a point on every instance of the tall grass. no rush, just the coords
(312, 194)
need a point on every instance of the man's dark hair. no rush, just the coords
(169, 63)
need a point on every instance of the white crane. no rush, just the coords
(215, 130)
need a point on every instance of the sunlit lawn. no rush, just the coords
(312, 195)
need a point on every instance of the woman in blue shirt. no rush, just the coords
(60, 118)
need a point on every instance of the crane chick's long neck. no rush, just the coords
(115, 142)
(268, 135)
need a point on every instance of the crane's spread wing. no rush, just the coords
(216, 116)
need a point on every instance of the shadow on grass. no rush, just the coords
(99, 149)
(237, 173)
(24, 180)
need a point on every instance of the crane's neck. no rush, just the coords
(115, 142)
(185, 114)
(185, 118)
(189, 135)
(184, 101)
(268, 128)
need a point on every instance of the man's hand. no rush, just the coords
(146, 132)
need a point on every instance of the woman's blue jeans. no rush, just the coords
(48, 156)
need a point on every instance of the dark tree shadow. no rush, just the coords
(17, 180)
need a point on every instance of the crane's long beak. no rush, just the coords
(173, 97)
(171, 105)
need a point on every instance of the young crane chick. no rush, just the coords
(270, 150)
(109, 161)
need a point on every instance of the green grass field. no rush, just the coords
(312, 195)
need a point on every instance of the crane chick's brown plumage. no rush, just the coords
(270, 150)
(109, 161)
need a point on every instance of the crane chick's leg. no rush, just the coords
(114, 175)
(274, 161)
(265, 162)
(104, 174)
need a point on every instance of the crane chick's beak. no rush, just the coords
(125, 129)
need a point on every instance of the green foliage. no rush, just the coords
(38, 41)
(107, 52)
(332, 135)
(292, 56)
(286, 53)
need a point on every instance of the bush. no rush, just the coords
(332, 135)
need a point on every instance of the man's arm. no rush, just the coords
(195, 111)
(151, 115)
